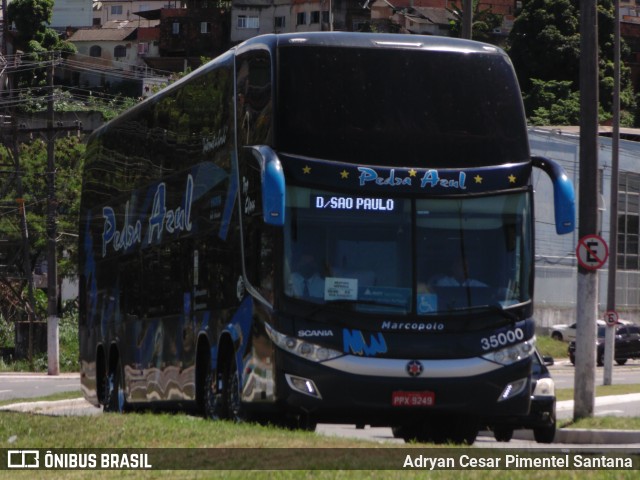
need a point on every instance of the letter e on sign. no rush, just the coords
(611, 317)
(592, 252)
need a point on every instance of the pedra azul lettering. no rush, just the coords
(161, 219)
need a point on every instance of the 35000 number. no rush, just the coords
(502, 339)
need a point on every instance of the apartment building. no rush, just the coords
(256, 17)
(108, 10)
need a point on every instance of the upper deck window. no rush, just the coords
(399, 107)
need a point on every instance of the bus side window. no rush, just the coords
(253, 72)
(258, 237)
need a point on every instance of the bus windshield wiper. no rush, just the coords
(492, 307)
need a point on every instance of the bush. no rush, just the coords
(7, 335)
(69, 348)
(68, 340)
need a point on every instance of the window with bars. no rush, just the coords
(120, 51)
(628, 221)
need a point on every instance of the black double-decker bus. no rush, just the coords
(318, 227)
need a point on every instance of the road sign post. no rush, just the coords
(611, 318)
(592, 253)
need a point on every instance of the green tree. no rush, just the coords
(484, 22)
(544, 45)
(34, 37)
(553, 103)
(31, 18)
(33, 160)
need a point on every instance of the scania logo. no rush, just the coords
(414, 368)
(315, 333)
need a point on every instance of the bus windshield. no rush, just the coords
(398, 107)
(407, 256)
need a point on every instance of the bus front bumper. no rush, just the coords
(383, 391)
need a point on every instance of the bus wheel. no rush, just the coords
(302, 421)
(458, 429)
(409, 433)
(215, 400)
(114, 391)
(236, 411)
(547, 433)
(502, 433)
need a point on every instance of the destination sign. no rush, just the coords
(342, 202)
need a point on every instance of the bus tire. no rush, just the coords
(408, 433)
(302, 421)
(546, 433)
(215, 401)
(502, 433)
(457, 429)
(114, 400)
(231, 391)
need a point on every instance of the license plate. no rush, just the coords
(413, 399)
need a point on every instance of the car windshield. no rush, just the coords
(402, 255)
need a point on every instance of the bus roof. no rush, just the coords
(373, 40)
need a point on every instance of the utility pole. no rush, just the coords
(53, 356)
(3, 46)
(610, 344)
(587, 304)
(467, 19)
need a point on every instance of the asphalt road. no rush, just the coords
(28, 385)
(563, 373)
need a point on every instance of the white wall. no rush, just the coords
(72, 13)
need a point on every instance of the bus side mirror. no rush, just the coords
(273, 185)
(564, 199)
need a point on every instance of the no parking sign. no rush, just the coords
(611, 317)
(592, 252)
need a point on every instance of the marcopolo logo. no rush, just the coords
(23, 459)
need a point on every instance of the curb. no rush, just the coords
(585, 436)
(68, 407)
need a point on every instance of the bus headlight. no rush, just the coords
(309, 351)
(512, 353)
